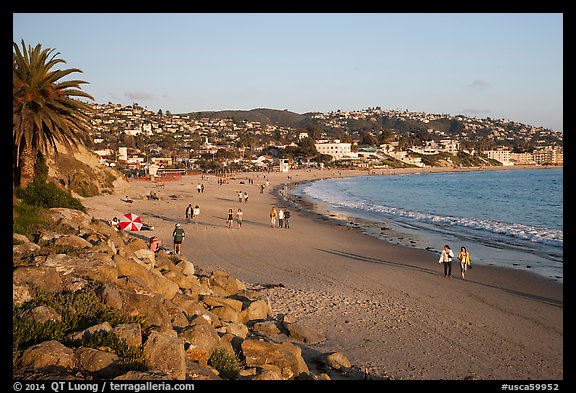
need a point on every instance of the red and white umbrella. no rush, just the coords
(130, 222)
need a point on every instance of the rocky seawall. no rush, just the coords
(94, 303)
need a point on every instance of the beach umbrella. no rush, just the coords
(130, 222)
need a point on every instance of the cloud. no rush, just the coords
(479, 83)
(139, 95)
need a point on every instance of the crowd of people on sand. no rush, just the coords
(279, 218)
(446, 257)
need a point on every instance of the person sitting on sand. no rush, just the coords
(126, 199)
(154, 244)
(115, 223)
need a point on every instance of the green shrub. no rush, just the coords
(48, 195)
(28, 220)
(79, 310)
(131, 358)
(227, 364)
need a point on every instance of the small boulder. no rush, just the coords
(42, 314)
(131, 333)
(49, 354)
(98, 363)
(304, 333)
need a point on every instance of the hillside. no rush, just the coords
(81, 172)
(263, 115)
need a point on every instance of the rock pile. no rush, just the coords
(195, 325)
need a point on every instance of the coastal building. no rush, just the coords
(522, 158)
(501, 155)
(549, 156)
(338, 150)
(281, 165)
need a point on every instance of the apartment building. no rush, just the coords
(336, 149)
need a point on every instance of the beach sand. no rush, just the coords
(387, 307)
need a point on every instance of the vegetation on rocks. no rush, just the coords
(228, 365)
(75, 311)
(91, 302)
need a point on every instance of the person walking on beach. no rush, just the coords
(240, 196)
(273, 217)
(286, 218)
(199, 188)
(178, 235)
(230, 218)
(281, 218)
(464, 257)
(245, 197)
(189, 211)
(195, 214)
(239, 217)
(446, 258)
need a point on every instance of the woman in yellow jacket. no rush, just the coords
(464, 257)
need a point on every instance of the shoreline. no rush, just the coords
(401, 233)
(386, 307)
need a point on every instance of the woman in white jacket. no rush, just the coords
(446, 258)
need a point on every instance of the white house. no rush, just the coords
(337, 150)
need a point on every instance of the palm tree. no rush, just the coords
(44, 110)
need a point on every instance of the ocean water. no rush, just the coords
(510, 218)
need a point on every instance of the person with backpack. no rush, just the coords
(178, 235)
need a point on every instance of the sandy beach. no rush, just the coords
(387, 307)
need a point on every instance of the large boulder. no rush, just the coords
(27, 248)
(218, 301)
(229, 284)
(286, 356)
(305, 333)
(20, 294)
(99, 267)
(201, 340)
(153, 279)
(152, 307)
(74, 219)
(45, 277)
(72, 241)
(256, 311)
(166, 353)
